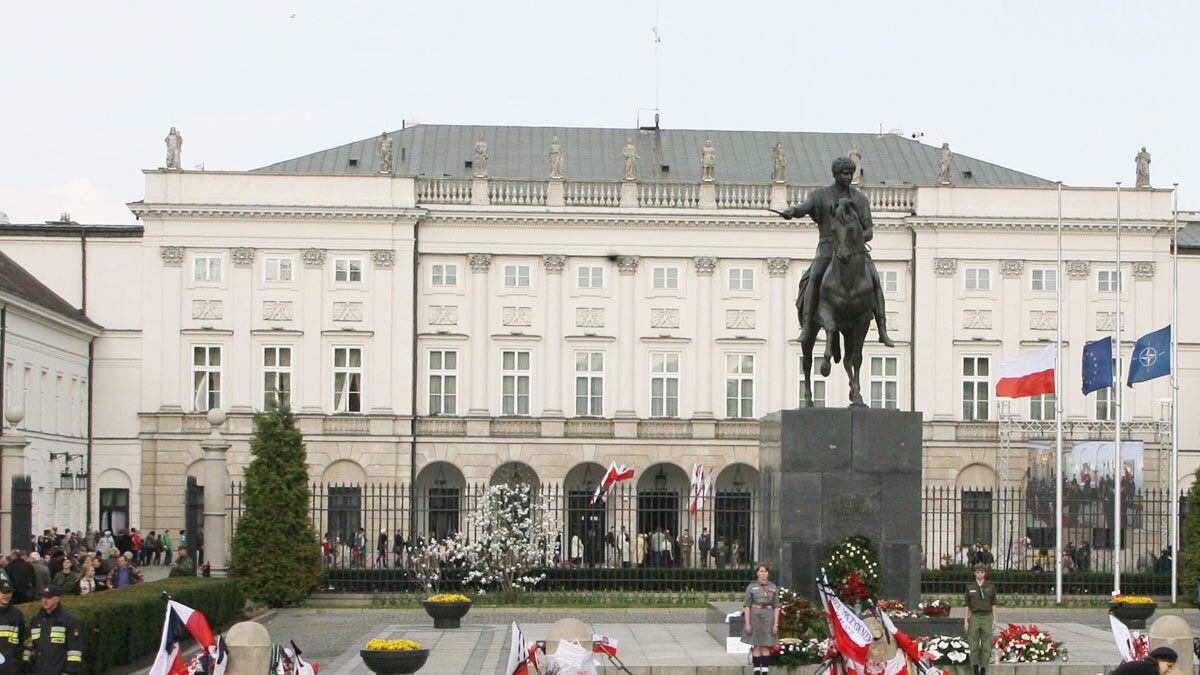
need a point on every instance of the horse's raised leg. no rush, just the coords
(806, 362)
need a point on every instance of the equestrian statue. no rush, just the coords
(840, 292)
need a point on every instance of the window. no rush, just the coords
(277, 268)
(739, 385)
(443, 382)
(60, 416)
(664, 384)
(1041, 407)
(514, 382)
(741, 279)
(206, 269)
(516, 276)
(445, 275)
(277, 377)
(347, 269)
(1107, 281)
(820, 399)
(666, 278)
(589, 384)
(114, 509)
(206, 377)
(976, 517)
(883, 382)
(27, 383)
(1045, 280)
(345, 512)
(347, 379)
(1106, 400)
(43, 409)
(589, 277)
(979, 279)
(890, 280)
(976, 384)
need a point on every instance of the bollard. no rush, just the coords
(1174, 632)
(249, 646)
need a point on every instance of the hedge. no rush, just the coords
(953, 581)
(125, 624)
(392, 580)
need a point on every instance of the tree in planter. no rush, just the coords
(275, 549)
(1189, 556)
(514, 537)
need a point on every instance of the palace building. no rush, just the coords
(455, 300)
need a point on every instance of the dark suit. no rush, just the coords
(23, 579)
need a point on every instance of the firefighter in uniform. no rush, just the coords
(12, 631)
(55, 644)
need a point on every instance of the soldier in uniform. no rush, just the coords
(55, 643)
(980, 619)
(12, 631)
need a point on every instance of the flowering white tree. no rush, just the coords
(426, 562)
(514, 535)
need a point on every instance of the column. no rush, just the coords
(704, 372)
(311, 399)
(552, 368)
(627, 268)
(478, 372)
(777, 335)
(242, 292)
(948, 392)
(216, 478)
(12, 463)
(172, 306)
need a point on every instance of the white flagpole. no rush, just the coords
(1175, 399)
(1058, 414)
(1119, 391)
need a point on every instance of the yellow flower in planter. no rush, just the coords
(448, 597)
(1133, 599)
(393, 645)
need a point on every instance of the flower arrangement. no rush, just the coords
(895, 609)
(448, 597)
(1131, 599)
(1026, 644)
(853, 569)
(393, 646)
(799, 619)
(950, 650)
(935, 608)
(791, 652)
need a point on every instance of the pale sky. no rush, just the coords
(1063, 90)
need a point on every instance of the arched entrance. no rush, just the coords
(586, 524)
(661, 505)
(440, 491)
(733, 511)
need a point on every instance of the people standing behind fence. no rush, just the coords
(612, 551)
(381, 549)
(704, 544)
(625, 546)
(640, 548)
(685, 549)
(398, 550)
(720, 554)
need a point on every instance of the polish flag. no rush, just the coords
(614, 475)
(602, 644)
(700, 486)
(851, 637)
(1027, 375)
(169, 660)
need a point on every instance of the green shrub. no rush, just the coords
(1189, 536)
(1019, 582)
(125, 624)
(276, 553)
(650, 579)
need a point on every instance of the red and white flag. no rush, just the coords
(700, 487)
(922, 661)
(614, 475)
(169, 659)
(1027, 375)
(851, 637)
(602, 644)
(521, 653)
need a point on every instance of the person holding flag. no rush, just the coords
(761, 612)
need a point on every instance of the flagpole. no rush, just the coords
(1119, 390)
(1058, 414)
(1175, 398)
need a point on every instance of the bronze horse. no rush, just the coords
(844, 307)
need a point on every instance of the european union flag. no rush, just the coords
(1097, 365)
(1151, 356)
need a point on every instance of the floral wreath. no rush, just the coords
(852, 567)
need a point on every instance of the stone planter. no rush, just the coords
(447, 614)
(1133, 615)
(386, 662)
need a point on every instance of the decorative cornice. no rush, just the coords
(1011, 268)
(200, 211)
(705, 266)
(588, 219)
(945, 267)
(1143, 270)
(480, 262)
(172, 256)
(1078, 269)
(242, 256)
(313, 257)
(778, 267)
(554, 264)
(1098, 225)
(383, 259)
(627, 264)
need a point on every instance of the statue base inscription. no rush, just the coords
(831, 473)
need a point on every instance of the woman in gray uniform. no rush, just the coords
(761, 612)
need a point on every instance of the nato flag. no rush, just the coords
(1097, 365)
(1151, 356)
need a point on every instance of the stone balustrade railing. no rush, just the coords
(510, 192)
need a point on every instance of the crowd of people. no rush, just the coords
(586, 547)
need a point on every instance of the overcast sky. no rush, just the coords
(1062, 90)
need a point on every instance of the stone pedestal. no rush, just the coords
(1174, 632)
(216, 480)
(249, 646)
(828, 474)
(12, 463)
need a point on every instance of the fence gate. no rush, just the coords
(22, 512)
(193, 517)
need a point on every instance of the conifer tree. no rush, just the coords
(276, 552)
(1189, 542)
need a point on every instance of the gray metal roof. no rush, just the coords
(595, 154)
(17, 281)
(1189, 237)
